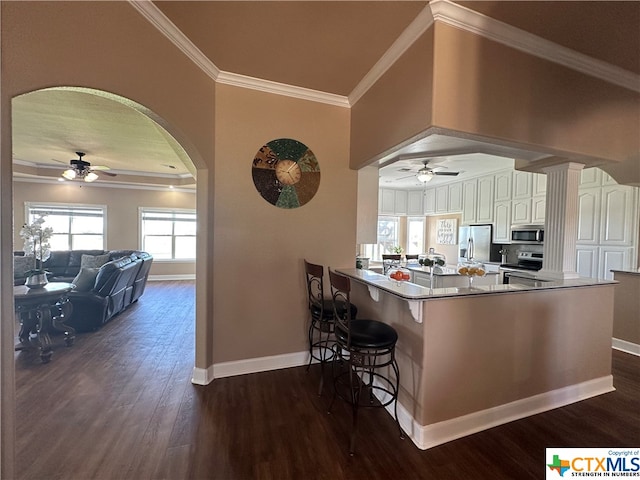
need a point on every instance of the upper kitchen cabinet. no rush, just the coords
(429, 201)
(469, 201)
(455, 197)
(617, 212)
(502, 222)
(442, 199)
(392, 202)
(522, 185)
(590, 177)
(502, 186)
(415, 202)
(484, 211)
(539, 184)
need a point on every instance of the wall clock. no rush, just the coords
(286, 173)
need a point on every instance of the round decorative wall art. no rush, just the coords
(286, 173)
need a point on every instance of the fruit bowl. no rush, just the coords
(471, 269)
(399, 275)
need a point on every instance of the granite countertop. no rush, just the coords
(628, 272)
(411, 291)
(440, 271)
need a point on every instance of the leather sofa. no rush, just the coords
(118, 283)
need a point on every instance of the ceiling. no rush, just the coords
(324, 46)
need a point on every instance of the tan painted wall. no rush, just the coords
(122, 213)
(465, 84)
(260, 306)
(486, 88)
(626, 313)
(106, 46)
(480, 351)
(397, 107)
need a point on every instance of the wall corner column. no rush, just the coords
(561, 221)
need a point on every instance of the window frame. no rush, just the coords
(165, 210)
(28, 206)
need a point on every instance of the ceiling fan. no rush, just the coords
(82, 169)
(426, 173)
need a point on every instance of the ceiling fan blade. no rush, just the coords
(451, 174)
(109, 173)
(100, 167)
(406, 176)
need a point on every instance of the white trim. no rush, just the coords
(159, 20)
(261, 364)
(624, 346)
(408, 37)
(131, 186)
(252, 83)
(165, 278)
(202, 376)
(482, 25)
(428, 436)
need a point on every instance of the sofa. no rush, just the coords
(107, 282)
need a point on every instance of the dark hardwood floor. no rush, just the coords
(119, 404)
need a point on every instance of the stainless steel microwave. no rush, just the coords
(527, 234)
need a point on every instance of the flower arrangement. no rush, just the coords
(397, 249)
(36, 242)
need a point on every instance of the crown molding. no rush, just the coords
(277, 88)
(479, 24)
(122, 186)
(165, 26)
(408, 37)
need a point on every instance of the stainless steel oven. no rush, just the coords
(533, 234)
(524, 271)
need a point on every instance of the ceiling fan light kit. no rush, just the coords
(81, 169)
(424, 175)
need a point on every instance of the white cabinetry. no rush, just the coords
(414, 204)
(386, 201)
(539, 184)
(502, 182)
(587, 261)
(617, 222)
(401, 198)
(588, 216)
(538, 206)
(522, 185)
(521, 211)
(442, 199)
(613, 258)
(590, 177)
(430, 201)
(392, 202)
(469, 201)
(484, 212)
(502, 222)
(455, 197)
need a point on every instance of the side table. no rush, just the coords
(40, 310)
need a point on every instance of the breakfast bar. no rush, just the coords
(474, 358)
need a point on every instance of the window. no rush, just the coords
(388, 237)
(415, 234)
(168, 234)
(75, 227)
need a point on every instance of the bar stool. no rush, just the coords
(322, 324)
(390, 261)
(367, 349)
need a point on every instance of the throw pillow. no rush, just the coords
(86, 279)
(93, 261)
(21, 265)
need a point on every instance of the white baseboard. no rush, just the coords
(428, 436)
(202, 376)
(160, 278)
(624, 346)
(262, 364)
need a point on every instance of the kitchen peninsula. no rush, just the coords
(471, 359)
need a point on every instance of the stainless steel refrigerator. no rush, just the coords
(475, 241)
